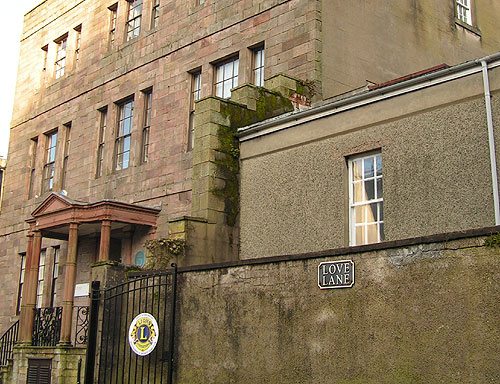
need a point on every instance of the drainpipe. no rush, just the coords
(491, 140)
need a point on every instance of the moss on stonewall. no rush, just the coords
(269, 104)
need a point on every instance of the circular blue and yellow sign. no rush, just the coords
(143, 334)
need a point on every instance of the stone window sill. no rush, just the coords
(468, 27)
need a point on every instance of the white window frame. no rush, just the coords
(226, 77)
(60, 64)
(123, 141)
(464, 13)
(258, 58)
(195, 95)
(363, 204)
(134, 16)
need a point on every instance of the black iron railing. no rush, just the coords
(82, 325)
(7, 342)
(47, 326)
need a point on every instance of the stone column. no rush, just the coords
(105, 240)
(69, 285)
(28, 300)
(127, 246)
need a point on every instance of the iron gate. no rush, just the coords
(153, 294)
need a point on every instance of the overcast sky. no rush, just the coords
(8, 65)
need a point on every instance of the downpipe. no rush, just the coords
(491, 140)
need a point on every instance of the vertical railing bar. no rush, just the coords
(112, 335)
(136, 358)
(146, 304)
(164, 328)
(119, 313)
(130, 349)
(92, 333)
(172, 326)
(108, 317)
(159, 327)
(126, 330)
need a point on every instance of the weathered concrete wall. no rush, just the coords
(436, 166)
(379, 40)
(422, 313)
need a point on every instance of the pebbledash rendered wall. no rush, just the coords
(436, 168)
(423, 310)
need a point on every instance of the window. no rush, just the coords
(464, 11)
(41, 273)
(195, 95)
(33, 148)
(226, 77)
(103, 117)
(78, 31)
(258, 66)
(366, 199)
(134, 19)
(67, 143)
(155, 14)
(61, 56)
(50, 159)
(124, 132)
(55, 275)
(21, 282)
(148, 98)
(112, 24)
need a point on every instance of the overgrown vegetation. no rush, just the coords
(161, 252)
(493, 241)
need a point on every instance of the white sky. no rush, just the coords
(8, 66)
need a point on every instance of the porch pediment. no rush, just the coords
(54, 202)
(56, 212)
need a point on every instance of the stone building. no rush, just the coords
(122, 132)
(3, 164)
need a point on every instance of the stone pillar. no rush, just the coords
(69, 285)
(28, 300)
(128, 236)
(105, 240)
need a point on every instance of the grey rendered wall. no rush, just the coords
(294, 188)
(423, 313)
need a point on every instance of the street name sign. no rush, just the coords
(336, 274)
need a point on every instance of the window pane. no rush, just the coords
(125, 159)
(218, 90)
(379, 165)
(370, 189)
(380, 190)
(372, 213)
(356, 170)
(228, 71)
(372, 233)
(227, 89)
(359, 214)
(368, 167)
(359, 195)
(360, 235)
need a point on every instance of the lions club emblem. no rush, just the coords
(143, 334)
